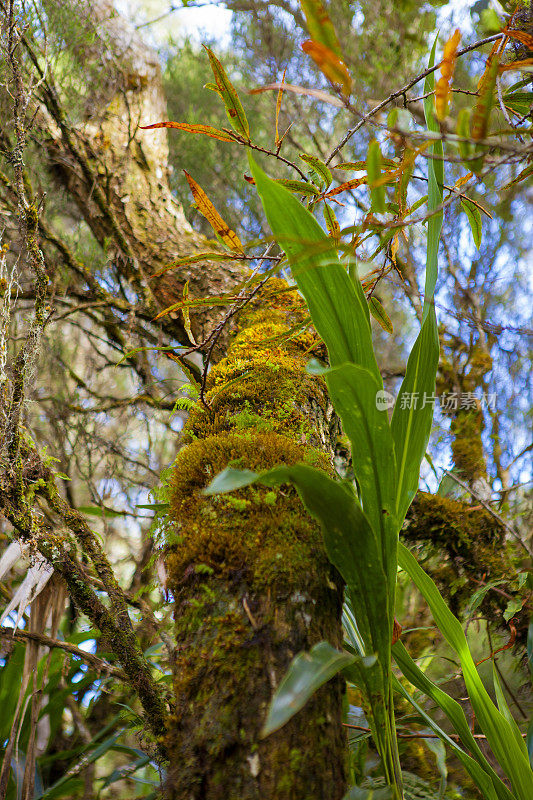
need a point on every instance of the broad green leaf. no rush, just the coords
(320, 26)
(234, 108)
(500, 735)
(379, 314)
(413, 412)
(319, 168)
(307, 673)
(337, 305)
(354, 393)
(474, 218)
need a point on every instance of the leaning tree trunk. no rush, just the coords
(250, 578)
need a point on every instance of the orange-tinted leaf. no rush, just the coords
(329, 63)
(207, 130)
(278, 107)
(442, 87)
(521, 36)
(234, 108)
(320, 26)
(206, 207)
(526, 62)
(353, 184)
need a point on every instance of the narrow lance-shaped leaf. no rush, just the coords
(278, 108)
(332, 223)
(227, 91)
(206, 130)
(474, 218)
(478, 775)
(413, 412)
(453, 711)
(373, 171)
(500, 735)
(379, 314)
(338, 307)
(206, 207)
(298, 187)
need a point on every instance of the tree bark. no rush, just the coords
(249, 574)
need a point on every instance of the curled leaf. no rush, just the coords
(319, 168)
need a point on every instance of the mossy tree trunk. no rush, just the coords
(250, 578)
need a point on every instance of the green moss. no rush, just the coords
(467, 447)
(469, 542)
(268, 591)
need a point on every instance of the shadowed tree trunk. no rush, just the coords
(250, 578)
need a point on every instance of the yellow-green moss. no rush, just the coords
(249, 574)
(462, 544)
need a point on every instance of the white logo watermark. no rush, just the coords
(448, 401)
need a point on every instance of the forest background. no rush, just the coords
(103, 385)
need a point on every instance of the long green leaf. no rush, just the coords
(337, 305)
(499, 733)
(453, 711)
(353, 391)
(413, 412)
(234, 109)
(480, 777)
